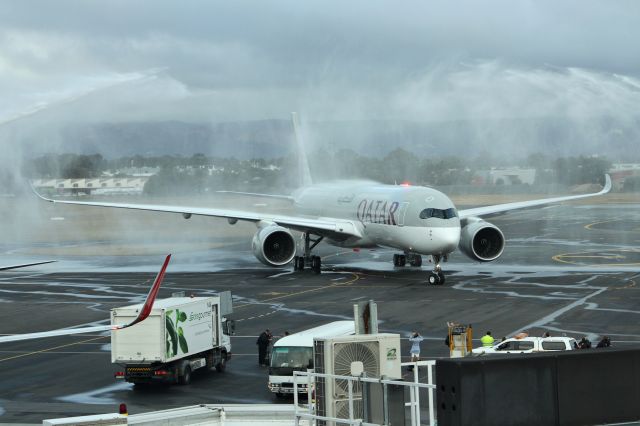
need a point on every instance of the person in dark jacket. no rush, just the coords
(263, 344)
(604, 343)
(584, 343)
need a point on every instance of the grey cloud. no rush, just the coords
(414, 60)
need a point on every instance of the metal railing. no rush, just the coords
(414, 404)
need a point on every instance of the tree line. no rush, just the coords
(199, 173)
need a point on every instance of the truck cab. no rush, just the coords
(528, 345)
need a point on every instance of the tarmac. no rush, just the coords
(569, 270)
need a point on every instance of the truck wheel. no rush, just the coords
(185, 378)
(222, 365)
(210, 359)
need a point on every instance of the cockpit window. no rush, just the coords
(438, 213)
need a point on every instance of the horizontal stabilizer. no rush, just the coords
(24, 265)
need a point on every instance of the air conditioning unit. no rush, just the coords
(379, 355)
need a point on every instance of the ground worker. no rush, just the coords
(263, 345)
(487, 340)
(415, 340)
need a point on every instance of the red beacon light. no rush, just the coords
(405, 183)
(123, 409)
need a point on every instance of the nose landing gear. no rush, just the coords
(436, 277)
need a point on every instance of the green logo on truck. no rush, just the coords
(175, 334)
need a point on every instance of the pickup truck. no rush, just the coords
(527, 345)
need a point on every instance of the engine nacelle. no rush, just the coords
(273, 245)
(481, 240)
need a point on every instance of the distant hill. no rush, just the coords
(273, 138)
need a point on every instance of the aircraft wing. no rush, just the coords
(144, 313)
(24, 265)
(298, 223)
(258, 195)
(500, 208)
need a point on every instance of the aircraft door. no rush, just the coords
(402, 210)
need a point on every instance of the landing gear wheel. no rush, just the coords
(415, 260)
(298, 263)
(433, 278)
(316, 263)
(396, 262)
(185, 379)
(440, 278)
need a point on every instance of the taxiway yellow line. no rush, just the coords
(355, 278)
(51, 349)
(589, 226)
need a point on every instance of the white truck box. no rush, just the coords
(176, 328)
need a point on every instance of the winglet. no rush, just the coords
(151, 297)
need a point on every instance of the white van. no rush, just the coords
(295, 353)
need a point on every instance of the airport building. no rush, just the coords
(103, 186)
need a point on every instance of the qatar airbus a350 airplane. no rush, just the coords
(144, 312)
(414, 220)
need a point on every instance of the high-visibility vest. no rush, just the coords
(487, 341)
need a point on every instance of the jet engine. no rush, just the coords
(481, 240)
(273, 245)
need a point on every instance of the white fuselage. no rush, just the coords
(413, 219)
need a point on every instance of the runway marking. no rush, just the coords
(553, 315)
(50, 349)
(256, 316)
(590, 226)
(297, 293)
(595, 255)
(631, 285)
(356, 278)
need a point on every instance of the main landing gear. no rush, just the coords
(307, 260)
(400, 260)
(436, 277)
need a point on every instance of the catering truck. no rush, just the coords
(181, 335)
(295, 353)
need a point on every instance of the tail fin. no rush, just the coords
(303, 164)
(153, 292)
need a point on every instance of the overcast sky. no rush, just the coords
(422, 60)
